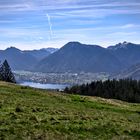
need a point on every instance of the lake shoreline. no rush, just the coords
(48, 86)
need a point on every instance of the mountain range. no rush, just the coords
(74, 57)
(24, 60)
(77, 57)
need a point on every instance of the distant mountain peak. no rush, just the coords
(123, 45)
(73, 43)
(12, 48)
(49, 50)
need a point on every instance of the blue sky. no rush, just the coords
(34, 24)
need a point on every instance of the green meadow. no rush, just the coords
(35, 114)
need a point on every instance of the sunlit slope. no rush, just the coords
(27, 113)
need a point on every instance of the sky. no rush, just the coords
(35, 24)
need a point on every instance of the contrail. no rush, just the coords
(50, 25)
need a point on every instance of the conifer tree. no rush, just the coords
(6, 73)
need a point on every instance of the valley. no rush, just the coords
(69, 70)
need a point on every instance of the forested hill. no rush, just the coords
(126, 90)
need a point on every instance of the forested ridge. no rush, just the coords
(124, 89)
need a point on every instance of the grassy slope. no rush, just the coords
(27, 113)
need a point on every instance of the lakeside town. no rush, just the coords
(59, 78)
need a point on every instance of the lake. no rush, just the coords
(45, 86)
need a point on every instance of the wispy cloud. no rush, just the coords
(50, 25)
(120, 34)
(93, 21)
(70, 5)
(128, 26)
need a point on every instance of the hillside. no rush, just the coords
(77, 57)
(132, 72)
(28, 113)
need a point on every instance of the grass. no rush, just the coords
(27, 113)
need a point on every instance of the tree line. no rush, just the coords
(123, 89)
